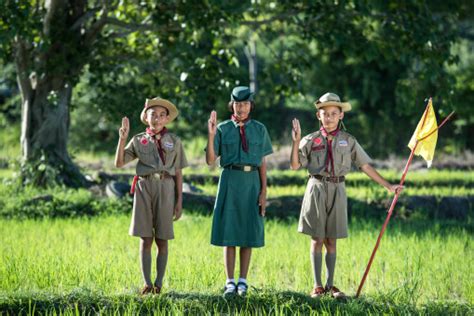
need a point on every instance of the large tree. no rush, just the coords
(51, 43)
(384, 55)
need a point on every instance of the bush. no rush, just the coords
(29, 202)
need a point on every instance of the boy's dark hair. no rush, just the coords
(231, 103)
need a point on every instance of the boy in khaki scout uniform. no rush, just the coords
(157, 185)
(328, 154)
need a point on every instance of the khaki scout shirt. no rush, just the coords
(141, 146)
(228, 146)
(345, 148)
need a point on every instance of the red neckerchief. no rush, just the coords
(330, 155)
(243, 139)
(161, 152)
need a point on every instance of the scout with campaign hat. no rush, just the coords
(242, 144)
(157, 186)
(328, 154)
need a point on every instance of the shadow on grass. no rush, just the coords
(266, 301)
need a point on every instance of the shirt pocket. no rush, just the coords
(146, 153)
(230, 151)
(170, 155)
(342, 159)
(317, 159)
(255, 149)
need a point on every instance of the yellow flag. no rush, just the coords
(426, 147)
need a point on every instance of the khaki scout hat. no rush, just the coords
(333, 99)
(150, 103)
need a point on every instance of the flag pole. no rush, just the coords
(395, 198)
(387, 219)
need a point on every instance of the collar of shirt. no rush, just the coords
(246, 122)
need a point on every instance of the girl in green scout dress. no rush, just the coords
(157, 187)
(328, 154)
(242, 144)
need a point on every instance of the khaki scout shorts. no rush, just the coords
(153, 206)
(324, 210)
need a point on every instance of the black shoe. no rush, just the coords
(242, 288)
(229, 289)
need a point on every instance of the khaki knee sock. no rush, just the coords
(161, 261)
(145, 261)
(331, 266)
(316, 262)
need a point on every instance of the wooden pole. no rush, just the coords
(395, 198)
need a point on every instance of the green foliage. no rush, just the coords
(56, 202)
(385, 57)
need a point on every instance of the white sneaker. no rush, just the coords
(242, 288)
(229, 289)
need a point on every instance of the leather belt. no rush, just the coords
(241, 168)
(328, 179)
(157, 175)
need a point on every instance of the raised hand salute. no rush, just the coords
(125, 128)
(212, 123)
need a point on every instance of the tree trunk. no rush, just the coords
(46, 77)
(45, 128)
(251, 54)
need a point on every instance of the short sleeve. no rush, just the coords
(180, 160)
(267, 144)
(358, 156)
(303, 152)
(129, 152)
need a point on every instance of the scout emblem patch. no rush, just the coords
(144, 141)
(317, 141)
(343, 143)
(169, 145)
(319, 144)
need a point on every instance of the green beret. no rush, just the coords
(241, 93)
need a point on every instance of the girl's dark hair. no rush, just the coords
(231, 103)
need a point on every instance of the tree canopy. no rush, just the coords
(385, 57)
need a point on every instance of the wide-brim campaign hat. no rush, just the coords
(332, 99)
(151, 103)
(241, 94)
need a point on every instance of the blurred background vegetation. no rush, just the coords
(385, 57)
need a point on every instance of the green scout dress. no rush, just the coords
(236, 220)
(324, 208)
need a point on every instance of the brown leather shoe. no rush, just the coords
(156, 289)
(147, 289)
(335, 292)
(318, 291)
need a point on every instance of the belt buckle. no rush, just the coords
(247, 168)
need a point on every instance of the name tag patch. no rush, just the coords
(318, 148)
(168, 145)
(343, 143)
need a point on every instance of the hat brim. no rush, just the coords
(247, 98)
(345, 106)
(172, 110)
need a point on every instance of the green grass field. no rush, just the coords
(64, 264)
(87, 264)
